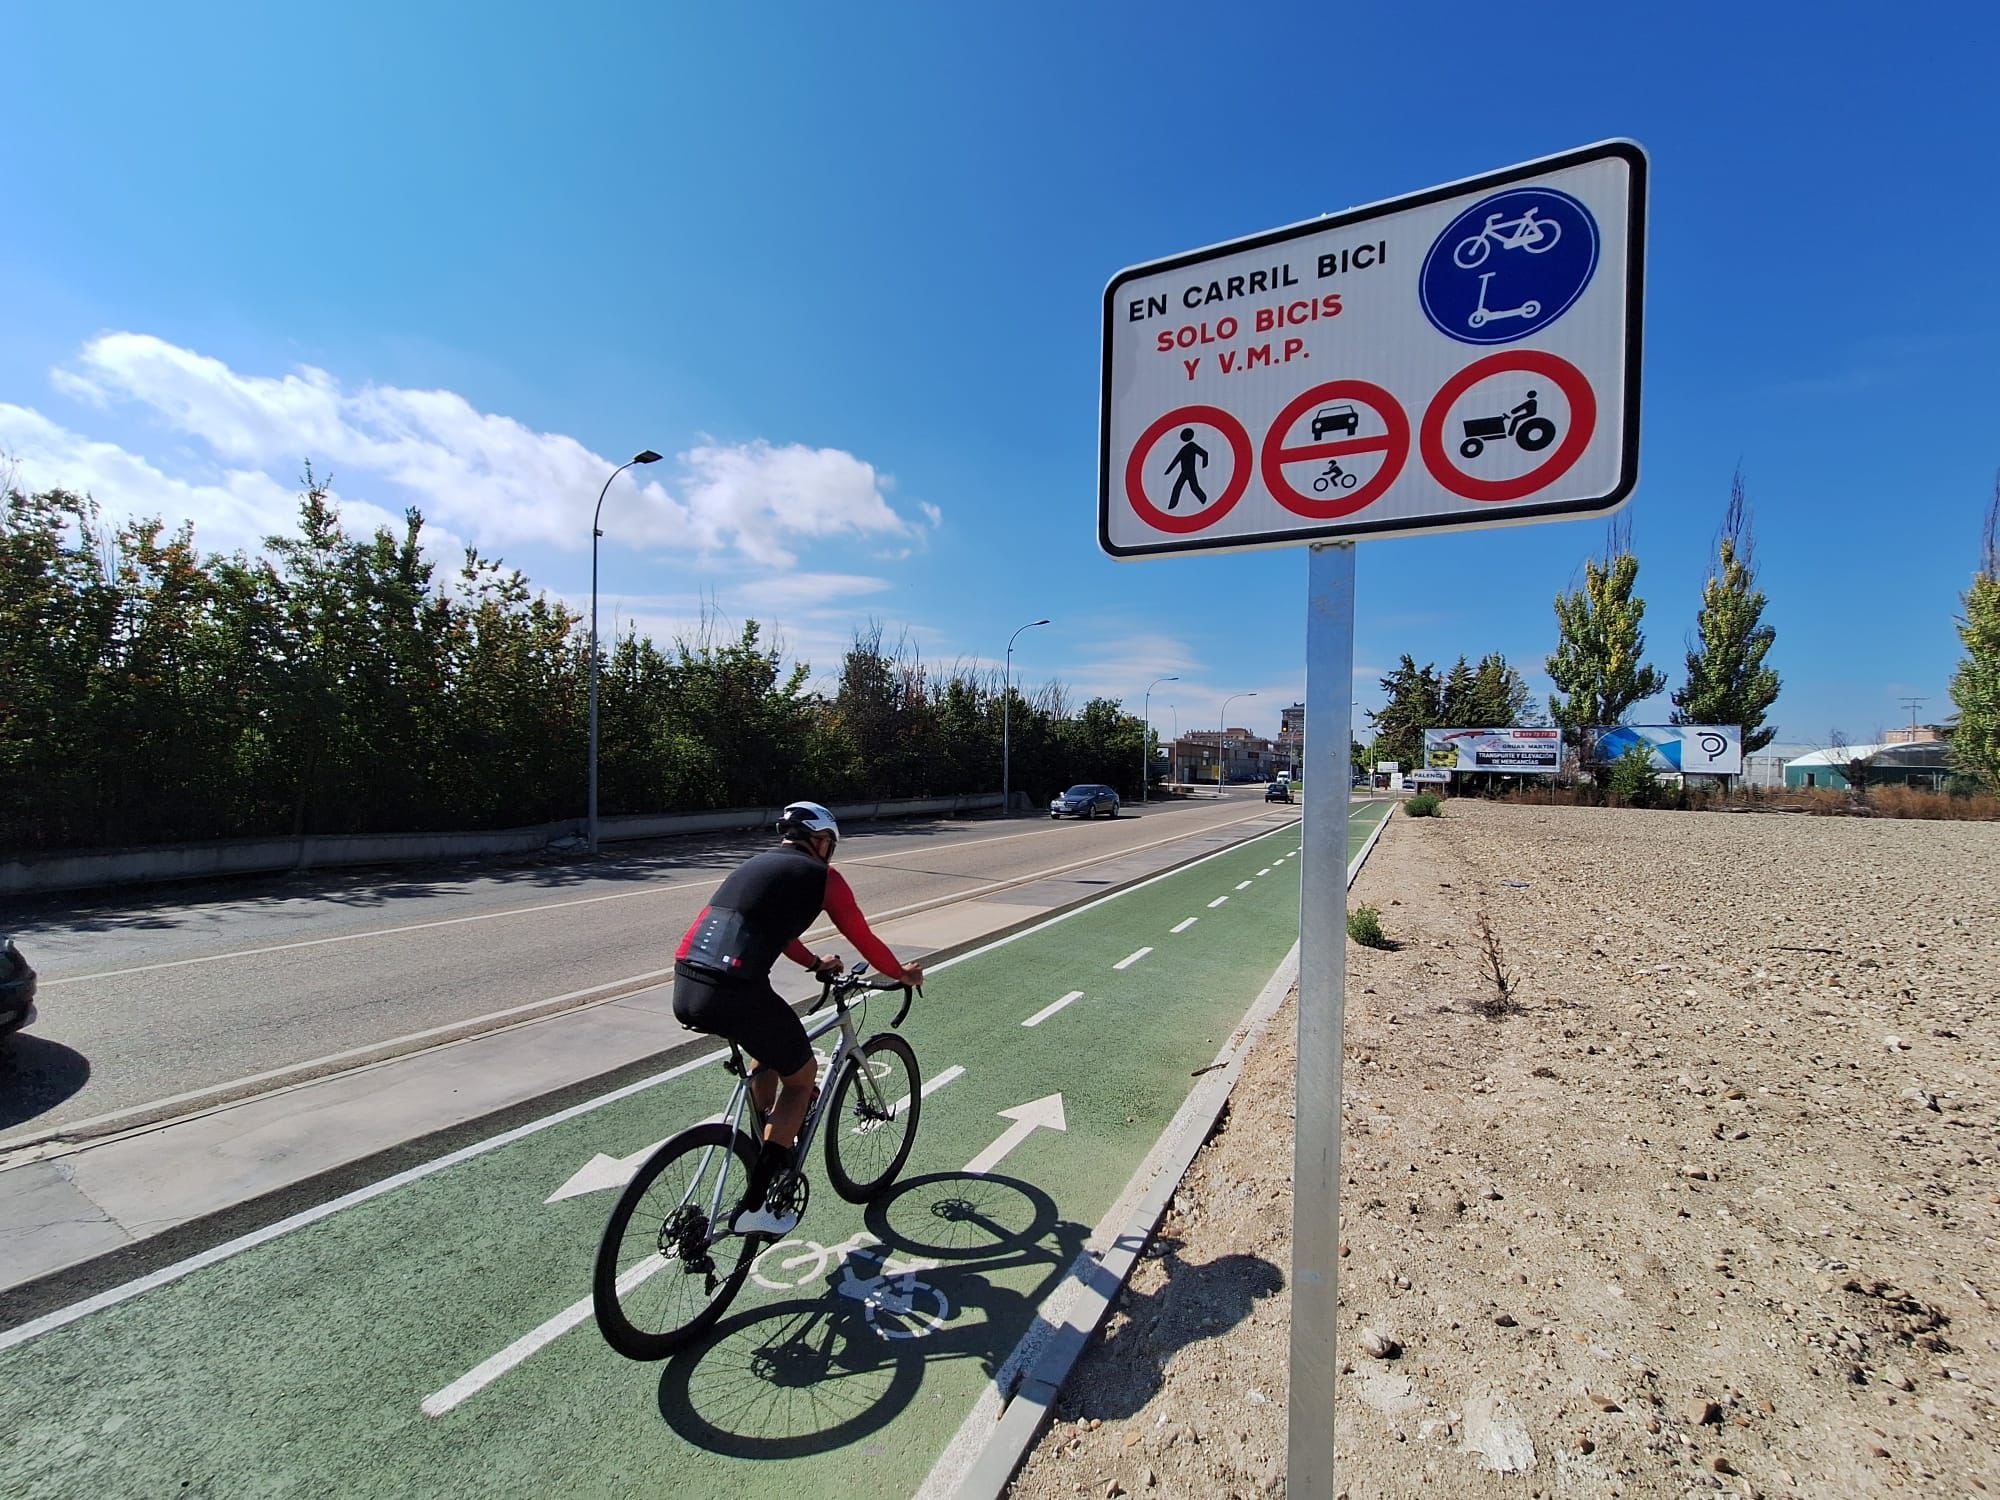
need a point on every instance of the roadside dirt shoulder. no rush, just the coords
(1708, 1204)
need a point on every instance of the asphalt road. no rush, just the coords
(180, 989)
(434, 1338)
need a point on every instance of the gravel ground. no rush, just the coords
(1709, 1206)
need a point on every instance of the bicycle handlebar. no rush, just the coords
(840, 986)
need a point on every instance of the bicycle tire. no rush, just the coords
(849, 1125)
(656, 1336)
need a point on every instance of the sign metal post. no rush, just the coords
(1322, 1006)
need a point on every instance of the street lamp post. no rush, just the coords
(1174, 709)
(1221, 719)
(1146, 735)
(643, 456)
(1006, 721)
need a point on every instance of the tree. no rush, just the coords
(1975, 686)
(1415, 703)
(1597, 664)
(1727, 680)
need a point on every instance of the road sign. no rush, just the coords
(1264, 392)
(1426, 777)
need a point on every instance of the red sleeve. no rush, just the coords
(800, 954)
(854, 927)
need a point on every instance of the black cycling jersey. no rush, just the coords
(766, 903)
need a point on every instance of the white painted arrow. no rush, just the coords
(1027, 1118)
(602, 1172)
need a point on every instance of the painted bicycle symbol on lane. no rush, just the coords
(894, 1303)
(1529, 232)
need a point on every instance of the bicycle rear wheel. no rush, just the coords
(869, 1131)
(664, 1271)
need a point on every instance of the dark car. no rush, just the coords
(1278, 791)
(1085, 800)
(17, 988)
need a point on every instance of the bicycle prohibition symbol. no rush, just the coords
(669, 1263)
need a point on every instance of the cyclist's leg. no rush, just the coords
(770, 1031)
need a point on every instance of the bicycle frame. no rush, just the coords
(842, 1020)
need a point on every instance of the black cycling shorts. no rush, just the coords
(751, 1015)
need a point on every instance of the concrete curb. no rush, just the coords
(1016, 1407)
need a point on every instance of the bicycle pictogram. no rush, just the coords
(1334, 477)
(895, 1304)
(1529, 232)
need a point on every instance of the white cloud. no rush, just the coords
(496, 480)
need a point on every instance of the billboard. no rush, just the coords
(1519, 751)
(1690, 749)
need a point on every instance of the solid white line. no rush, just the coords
(1131, 959)
(650, 890)
(111, 1298)
(1048, 1010)
(1218, 901)
(1242, 885)
(954, 1071)
(484, 1374)
(167, 1274)
(1184, 926)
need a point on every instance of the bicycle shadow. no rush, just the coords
(958, 1269)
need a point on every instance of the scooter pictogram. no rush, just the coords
(1529, 431)
(1528, 233)
(1334, 477)
(1481, 315)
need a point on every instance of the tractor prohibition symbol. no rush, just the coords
(1531, 432)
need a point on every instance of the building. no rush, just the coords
(1766, 767)
(1925, 764)
(1244, 756)
(1292, 738)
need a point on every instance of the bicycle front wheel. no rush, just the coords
(873, 1119)
(668, 1265)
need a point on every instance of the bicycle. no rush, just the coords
(669, 1230)
(1529, 233)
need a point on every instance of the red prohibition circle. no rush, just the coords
(1222, 504)
(1394, 446)
(1582, 423)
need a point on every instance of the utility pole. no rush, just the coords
(1913, 704)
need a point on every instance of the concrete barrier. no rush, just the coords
(27, 873)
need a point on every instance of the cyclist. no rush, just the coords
(722, 982)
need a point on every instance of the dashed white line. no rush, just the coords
(1184, 926)
(1242, 885)
(1131, 959)
(1048, 1010)
(1218, 901)
(1265, 871)
(954, 1071)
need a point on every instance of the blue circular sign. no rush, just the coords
(1509, 266)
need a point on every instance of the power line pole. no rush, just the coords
(1913, 704)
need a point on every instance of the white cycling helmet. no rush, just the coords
(806, 817)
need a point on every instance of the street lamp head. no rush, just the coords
(1038, 622)
(645, 456)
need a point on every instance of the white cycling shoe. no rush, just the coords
(762, 1220)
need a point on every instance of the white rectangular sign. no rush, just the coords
(1691, 749)
(1431, 778)
(1516, 752)
(1467, 356)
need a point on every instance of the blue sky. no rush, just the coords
(844, 267)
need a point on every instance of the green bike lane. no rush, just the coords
(435, 1338)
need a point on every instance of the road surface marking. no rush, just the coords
(1131, 959)
(111, 1297)
(1242, 885)
(1048, 1010)
(482, 1375)
(954, 1071)
(1265, 871)
(166, 1274)
(1044, 1113)
(1184, 926)
(652, 890)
